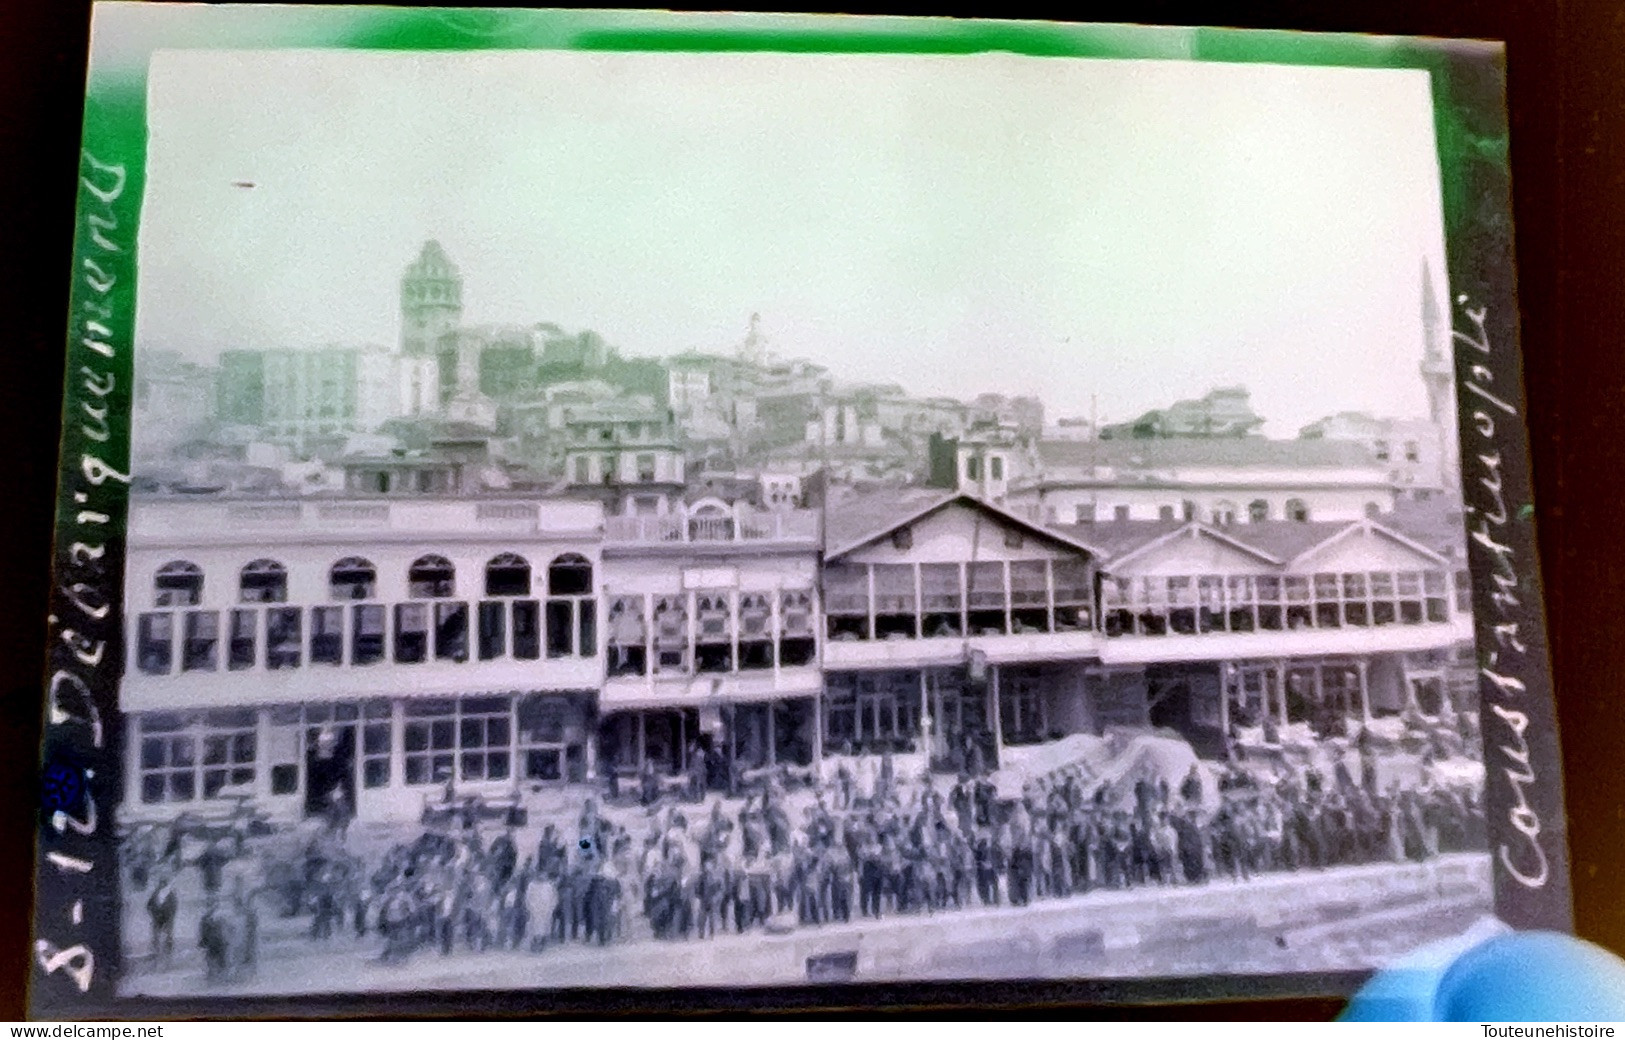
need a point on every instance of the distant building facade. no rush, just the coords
(1221, 481)
(626, 454)
(1224, 412)
(293, 395)
(174, 401)
(1411, 450)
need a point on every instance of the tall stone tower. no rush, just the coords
(1439, 376)
(431, 301)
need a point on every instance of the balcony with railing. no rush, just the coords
(288, 651)
(731, 644)
(911, 614)
(720, 529)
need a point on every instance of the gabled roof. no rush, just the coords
(1271, 541)
(1437, 524)
(1197, 529)
(1287, 539)
(1117, 538)
(855, 520)
(1380, 531)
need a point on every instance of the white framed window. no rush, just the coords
(377, 729)
(178, 584)
(284, 643)
(327, 635)
(352, 578)
(188, 757)
(473, 736)
(430, 739)
(155, 643)
(200, 648)
(263, 581)
(571, 613)
(431, 577)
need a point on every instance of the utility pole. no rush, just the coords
(1094, 454)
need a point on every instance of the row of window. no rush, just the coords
(1324, 697)
(277, 638)
(882, 711)
(185, 757)
(1413, 451)
(757, 735)
(1223, 514)
(995, 467)
(645, 466)
(913, 601)
(180, 583)
(659, 633)
(1187, 605)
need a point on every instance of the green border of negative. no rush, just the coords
(76, 887)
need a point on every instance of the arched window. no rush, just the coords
(353, 578)
(1297, 510)
(710, 521)
(430, 577)
(263, 581)
(1258, 511)
(569, 575)
(179, 584)
(507, 575)
(1372, 510)
(1224, 513)
(1188, 510)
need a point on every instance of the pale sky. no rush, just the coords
(1139, 231)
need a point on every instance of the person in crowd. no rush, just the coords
(214, 939)
(161, 907)
(211, 865)
(247, 916)
(911, 847)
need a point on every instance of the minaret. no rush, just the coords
(1439, 376)
(431, 301)
(754, 349)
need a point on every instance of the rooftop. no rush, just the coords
(1161, 453)
(851, 516)
(1437, 524)
(1283, 540)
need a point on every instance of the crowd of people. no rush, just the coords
(848, 850)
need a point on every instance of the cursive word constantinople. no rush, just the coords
(1487, 505)
(84, 621)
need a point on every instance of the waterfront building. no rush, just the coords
(383, 647)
